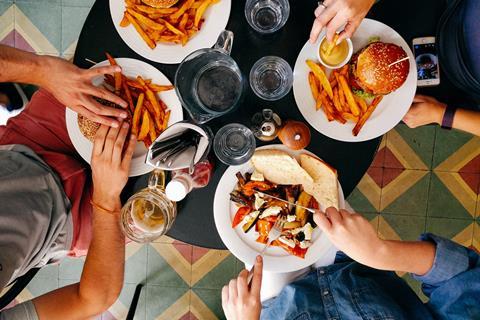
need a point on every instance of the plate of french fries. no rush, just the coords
(168, 35)
(153, 106)
(329, 104)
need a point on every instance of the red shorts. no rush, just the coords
(41, 127)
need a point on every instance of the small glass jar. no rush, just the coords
(148, 214)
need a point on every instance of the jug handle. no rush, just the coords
(157, 179)
(225, 41)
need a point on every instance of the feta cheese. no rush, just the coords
(258, 201)
(257, 176)
(249, 217)
(271, 211)
(288, 242)
(304, 244)
(291, 217)
(306, 229)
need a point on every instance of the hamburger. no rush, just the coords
(372, 71)
(160, 3)
(88, 127)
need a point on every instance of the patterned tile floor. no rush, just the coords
(425, 179)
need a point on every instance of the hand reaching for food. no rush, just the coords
(73, 87)
(111, 164)
(241, 302)
(424, 110)
(352, 234)
(333, 14)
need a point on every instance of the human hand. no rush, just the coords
(110, 165)
(352, 234)
(239, 302)
(73, 87)
(424, 110)
(333, 14)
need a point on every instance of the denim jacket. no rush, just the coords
(349, 290)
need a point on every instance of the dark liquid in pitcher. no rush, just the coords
(219, 88)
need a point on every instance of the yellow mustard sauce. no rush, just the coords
(339, 53)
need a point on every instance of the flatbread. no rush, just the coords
(279, 167)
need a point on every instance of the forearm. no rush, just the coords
(467, 120)
(406, 256)
(102, 276)
(21, 66)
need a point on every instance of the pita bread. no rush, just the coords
(324, 187)
(279, 167)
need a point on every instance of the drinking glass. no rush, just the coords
(148, 214)
(209, 82)
(271, 78)
(267, 16)
(234, 144)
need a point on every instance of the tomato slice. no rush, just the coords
(297, 251)
(241, 213)
(263, 227)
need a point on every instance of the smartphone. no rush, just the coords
(426, 58)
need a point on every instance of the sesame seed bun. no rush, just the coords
(371, 70)
(87, 127)
(160, 3)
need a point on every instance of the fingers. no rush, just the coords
(334, 215)
(348, 31)
(119, 143)
(107, 95)
(319, 11)
(224, 297)
(322, 221)
(127, 156)
(100, 109)
(320, 22)
(257, 277)
(100, 71)
(232, 290)
(420, 98)
(333, 26)
(95, 117)
(110, 143)
(99, 140)
(242, 285)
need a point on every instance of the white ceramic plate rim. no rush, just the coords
(216, 19)
(388, 113)
(131, 68)
(275, 259)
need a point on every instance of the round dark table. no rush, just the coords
(195, 223)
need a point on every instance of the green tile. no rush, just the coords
(371, 217)
(442, 203)
(413, 201)
(416, 286)
(360, 203)
(66, 282)
(71, 268)
(448, 228)
(421, 140)
(220, 275)
(136, 265)
(3, 7)
(39, 286)
(50, 271)
(239, 266)
(213, 299)
(407, 227)
(73, 19)
(159, 298)
(47, 17)
(159, 272)
(78, 3)
(447, 142)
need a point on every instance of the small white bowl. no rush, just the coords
(344, 62)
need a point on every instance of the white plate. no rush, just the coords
(216, 19)
(388, 113)
(244, 246)
(131, 68)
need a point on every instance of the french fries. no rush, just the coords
(149, 115)
(334, 96)
(177, 24)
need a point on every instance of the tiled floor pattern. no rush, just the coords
(422, 180)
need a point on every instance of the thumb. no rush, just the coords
(322, 221)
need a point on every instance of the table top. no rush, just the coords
(195, 222)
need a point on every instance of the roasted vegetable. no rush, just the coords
(241, 213)
(251, 222)
(301, 213)
(292, 225)
(241, 179)
(239, 198)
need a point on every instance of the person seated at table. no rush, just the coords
(45, 189)
(366, 287)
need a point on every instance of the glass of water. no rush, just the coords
(267, 16)
(271, 78)
(234, 144)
